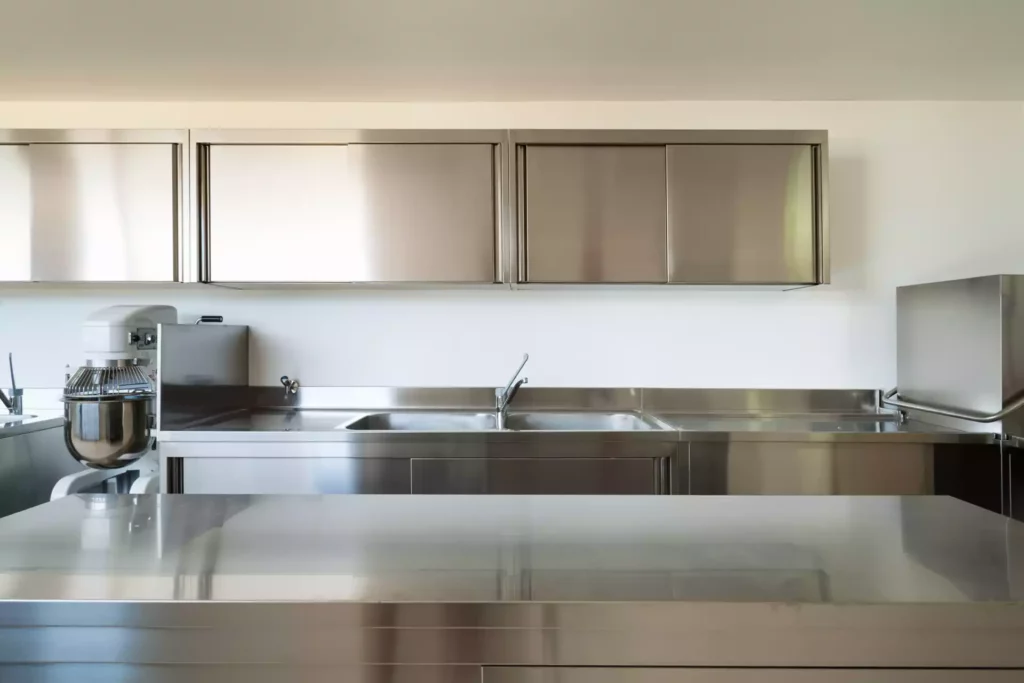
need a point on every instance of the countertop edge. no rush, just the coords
(243, 436)
(29, 426)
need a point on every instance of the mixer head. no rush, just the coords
(121, 379)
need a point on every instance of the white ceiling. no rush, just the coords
(511, 49)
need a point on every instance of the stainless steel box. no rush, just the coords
(960, 345)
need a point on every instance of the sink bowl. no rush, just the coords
(578, 422)
(453, 421)
(425, 422)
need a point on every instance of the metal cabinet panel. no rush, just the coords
(428, 212)
(15, 213)
(780, 468)
(741, 214)
(104, 212)
(89, 212)
(278, 213)
(30, 466)
(606, 674)
(554, 476)
(594, 214)
(351, 213)
(291, 475)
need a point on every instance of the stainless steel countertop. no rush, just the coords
(278, 421)
(329, 425)
(817, 424)
(447, 549)
(14, 425)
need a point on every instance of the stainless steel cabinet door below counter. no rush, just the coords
(781, 468)
(534, 476)
(742, 214)
(352, 213)
(294, 475)
(89, 212)
(605, 674)
(30, 465)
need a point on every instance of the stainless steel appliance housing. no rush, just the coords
(960, 353)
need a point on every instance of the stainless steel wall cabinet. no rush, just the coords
(416, 207)
(350, 206)
(678, 207)
(595, 214)
(960, 349)
(91, 206)
(741, 213)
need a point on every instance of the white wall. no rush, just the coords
(919, 191)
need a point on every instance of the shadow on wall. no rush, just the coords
(847, 221)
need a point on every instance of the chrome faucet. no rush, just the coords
(291, 386)
(503, 397)
(14, 402)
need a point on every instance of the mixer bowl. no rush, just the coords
(107, 433)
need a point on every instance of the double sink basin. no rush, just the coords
(452, 421)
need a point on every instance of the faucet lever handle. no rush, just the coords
(15, 401)
(512, 381)
(291, 386)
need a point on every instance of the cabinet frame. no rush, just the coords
(519, 140)
(183, 243)
(202, 140)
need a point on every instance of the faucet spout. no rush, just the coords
(503, 397)
(14, 402)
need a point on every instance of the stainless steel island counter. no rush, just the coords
(432, 588)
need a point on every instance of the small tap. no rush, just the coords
(13, 403)
(503, 397)
(291, 386)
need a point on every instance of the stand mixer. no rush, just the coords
(109, 401)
